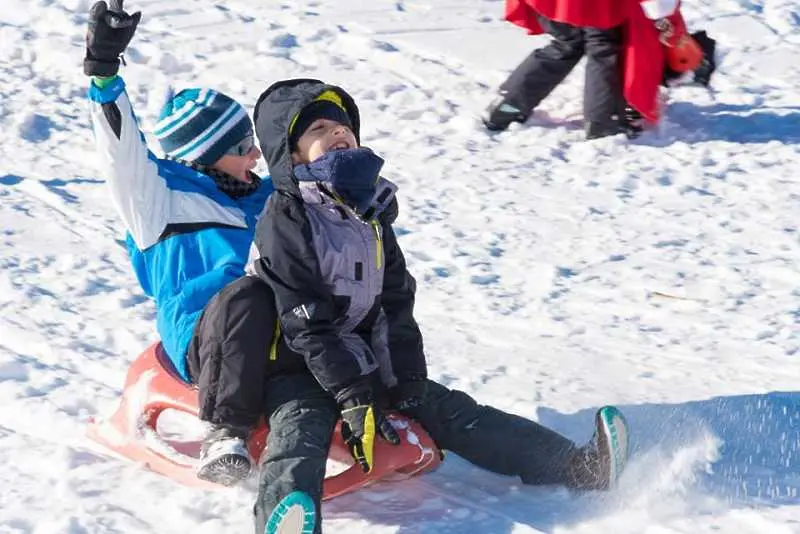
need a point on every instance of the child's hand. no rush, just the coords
(108, 34)
(361, 418)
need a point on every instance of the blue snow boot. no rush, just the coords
(502, 112)
(599, 464)
(295, 514)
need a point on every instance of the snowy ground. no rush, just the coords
(542, 262)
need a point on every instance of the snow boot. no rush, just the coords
(223, 456)
(295, 514)
(502, 112)
(599, 464)
(632, 123)
(596, 130)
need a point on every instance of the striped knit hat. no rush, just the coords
(200, 125)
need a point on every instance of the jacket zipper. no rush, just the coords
(373, 223)
(378, 244)
(273, 348)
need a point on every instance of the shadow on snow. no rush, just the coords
(736, 123)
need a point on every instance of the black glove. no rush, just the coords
(409, 394)
(110, 31)
(702, 74)
(361, 420)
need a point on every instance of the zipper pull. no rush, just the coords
(379, 241)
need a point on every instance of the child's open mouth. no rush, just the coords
(342, 145)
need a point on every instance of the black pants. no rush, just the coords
(302, 418)
(546, 67)
(230, 352)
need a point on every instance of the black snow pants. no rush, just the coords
(545, 68)
(302, 417)
(230, 350)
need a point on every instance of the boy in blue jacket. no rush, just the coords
(190, 220)
(345, 305)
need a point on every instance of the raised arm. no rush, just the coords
(138, 193)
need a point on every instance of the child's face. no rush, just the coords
(323, 135)
(239, 165)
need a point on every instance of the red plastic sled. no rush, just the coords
(152, 386)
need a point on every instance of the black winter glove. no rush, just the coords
(409, 394)
(361, 420)
(110, 31)
(703, 73)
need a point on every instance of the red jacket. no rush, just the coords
(642, 56)
(601, 14)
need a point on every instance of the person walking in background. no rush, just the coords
(190, 219)
(626, 44)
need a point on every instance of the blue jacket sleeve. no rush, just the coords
(139, 194)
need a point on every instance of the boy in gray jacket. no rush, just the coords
(345, 305)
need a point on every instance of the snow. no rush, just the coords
(555, 275)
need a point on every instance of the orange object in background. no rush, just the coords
(152, 386)
(685, 56)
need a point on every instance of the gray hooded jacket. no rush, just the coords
(345, 298)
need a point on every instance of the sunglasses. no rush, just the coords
(243, 147)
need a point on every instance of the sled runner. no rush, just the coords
(152, 386)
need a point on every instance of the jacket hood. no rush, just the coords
(274, 111)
